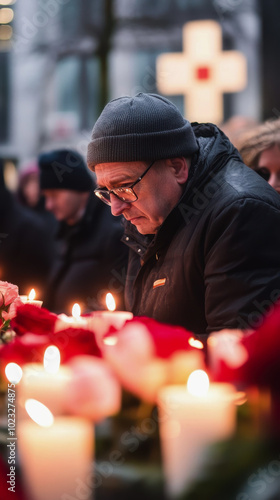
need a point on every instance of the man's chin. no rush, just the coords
(143, 228)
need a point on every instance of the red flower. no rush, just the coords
(30, 348)
(166, 339)
(27, 349)
(33, 319)
(262, 365)
(74, 341)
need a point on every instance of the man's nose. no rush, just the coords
(117, 206)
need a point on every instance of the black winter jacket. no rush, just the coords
(215, 261)
(26, 247)
(90, 261)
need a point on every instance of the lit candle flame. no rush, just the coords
(198, 383)
(32, 294)
(110, 302)
(39, 413)
(13, 373)
(76, 311)
(52, 359)
(112, 340)
(195, 343)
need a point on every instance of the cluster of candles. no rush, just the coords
(191, 418)
(55, 450)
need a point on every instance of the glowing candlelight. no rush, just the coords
(52, 359)
(110, 302)
(13, 373)
(39, 413)
(198, 383)
(192, 417)
(32, 294)
(76, 311)
(196, 343)
(74, 321)
(112, 340)
(60, 449)
(45, 382)
(112, 317)
(30, 299)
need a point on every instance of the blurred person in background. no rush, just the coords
(28, 192)
(25, 247)
(260, 150)
(90, 259)
(237, 128)
(30, 196)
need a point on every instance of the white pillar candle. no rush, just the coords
(188, 425)
(113, 318)
(56, 461)
(46, 383)
(74, 321)
(30, 299)
(101, 321)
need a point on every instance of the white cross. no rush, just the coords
(203, 72)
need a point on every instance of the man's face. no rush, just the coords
(269, 165)
(158, 192)
(65, 205)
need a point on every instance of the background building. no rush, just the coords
(62, 60)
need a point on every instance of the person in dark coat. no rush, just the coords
(201, 226)
(90, 259)
(29, 194)
(26, 248)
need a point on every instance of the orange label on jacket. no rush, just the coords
(160, 282)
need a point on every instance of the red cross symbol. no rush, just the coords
(203, 72)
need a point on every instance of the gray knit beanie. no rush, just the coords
(141, 128)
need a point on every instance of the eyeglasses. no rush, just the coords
(125, 194)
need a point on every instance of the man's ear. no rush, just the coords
(180, 168)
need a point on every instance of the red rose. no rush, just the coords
(167, 339)
(30, 348)
(27, 349)
(74, 341)
(33, 319)
(263, 353)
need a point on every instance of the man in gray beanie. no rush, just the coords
(200, 226)
(89, 252)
